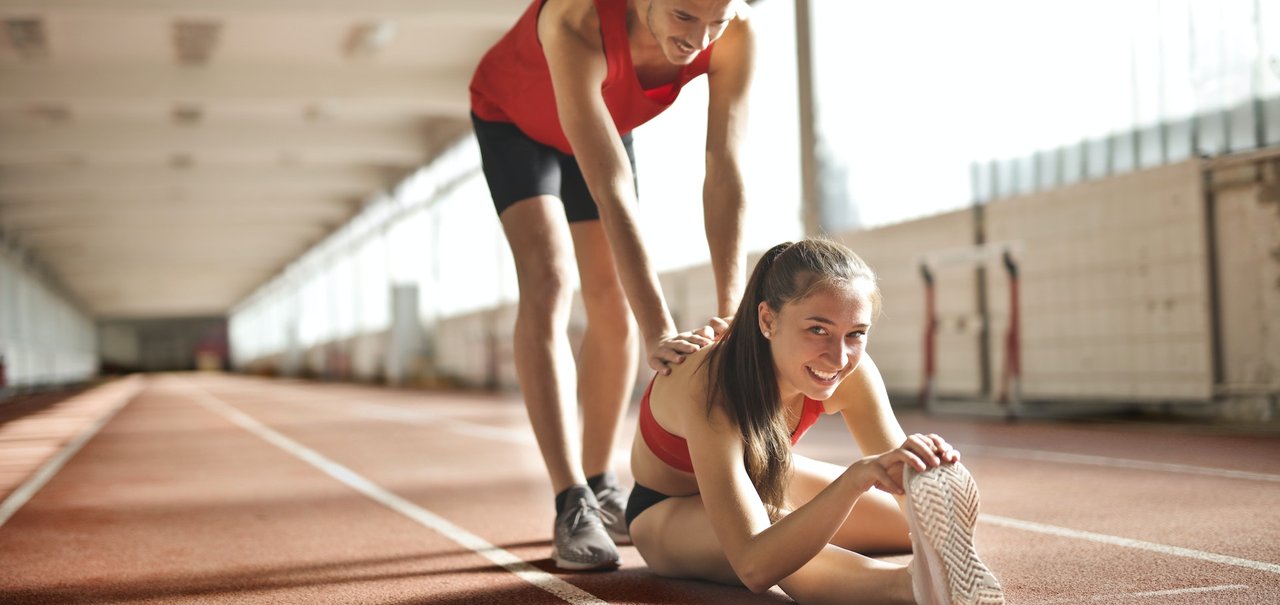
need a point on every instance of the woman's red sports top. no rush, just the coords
(674, 450)
(513, 84)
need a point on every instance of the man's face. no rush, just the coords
(683, 28)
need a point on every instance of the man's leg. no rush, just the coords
(606, 368)
(607, 361)
(541, 245)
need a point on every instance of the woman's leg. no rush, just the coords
(876, 524)
(676, 540)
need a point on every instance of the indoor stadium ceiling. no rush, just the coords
(163, 158)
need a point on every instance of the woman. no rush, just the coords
(719, 496)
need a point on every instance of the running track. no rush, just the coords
(199, 488)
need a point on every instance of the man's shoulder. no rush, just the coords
(575, 17)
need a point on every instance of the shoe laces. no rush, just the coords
(609, 492)
(581, 515)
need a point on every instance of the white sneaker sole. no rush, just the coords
(568, 565)
(942, 509)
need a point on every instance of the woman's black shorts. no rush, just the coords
(518, 167)
(641, 499)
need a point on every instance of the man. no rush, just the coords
(553, 104)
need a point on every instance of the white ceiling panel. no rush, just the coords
(156, 188)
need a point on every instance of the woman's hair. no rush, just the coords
(741, 371)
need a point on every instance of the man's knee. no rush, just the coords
(607, 300)
(609, 315)
(547, 292)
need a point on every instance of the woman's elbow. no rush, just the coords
(754, 578)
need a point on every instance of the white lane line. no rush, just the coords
(503, 558)
(1163, 549)
(19, 497)
(419, 417)
(377, 411)
(427, 418)
(1143, 595)
(1129, 463)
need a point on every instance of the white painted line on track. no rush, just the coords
(19, 497)
(427, 418)
(503, 558)
(1128, 463)
(1163, 549)
(1144, 595)
(420, 417)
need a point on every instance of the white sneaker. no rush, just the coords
(942, 509)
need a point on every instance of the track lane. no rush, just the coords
(487, 485)
(463, 457)
(172, 504)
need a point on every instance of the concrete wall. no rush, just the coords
(159, 345)
(897, 336)
(1115, 287)
(1117, 296)
(1246, 212)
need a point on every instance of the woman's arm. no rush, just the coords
(761, 553)
(863, 400)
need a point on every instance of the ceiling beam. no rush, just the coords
(109, 201)
(211, 218)
(479, 13)
(390, 89)
(72, 268)
(73, 208)
(259, 182)
(401, 143)
(172, 236)
(158, 304)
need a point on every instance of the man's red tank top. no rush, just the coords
(674, 450)
(513, 84)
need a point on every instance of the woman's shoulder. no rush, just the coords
(694, 370)
(685, 388)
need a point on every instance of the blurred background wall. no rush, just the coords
(1123, 154)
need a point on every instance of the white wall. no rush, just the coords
(44, 338)
(1247, 228)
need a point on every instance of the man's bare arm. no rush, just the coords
(577, 66)
(724, 192)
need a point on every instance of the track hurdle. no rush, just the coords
(1008, 396)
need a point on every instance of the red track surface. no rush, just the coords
(213, 489)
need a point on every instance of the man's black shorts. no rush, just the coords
(518, 167)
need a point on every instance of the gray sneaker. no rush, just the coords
(613, 511)
(581, 541)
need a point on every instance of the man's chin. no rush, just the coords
(681, 59)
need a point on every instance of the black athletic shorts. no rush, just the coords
(518, 167)
(641, 499)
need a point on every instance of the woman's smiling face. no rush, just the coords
(818, 340)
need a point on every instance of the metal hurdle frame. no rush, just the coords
(1008, 396)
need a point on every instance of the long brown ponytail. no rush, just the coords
(742, 375)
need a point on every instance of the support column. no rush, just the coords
(810, 186)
